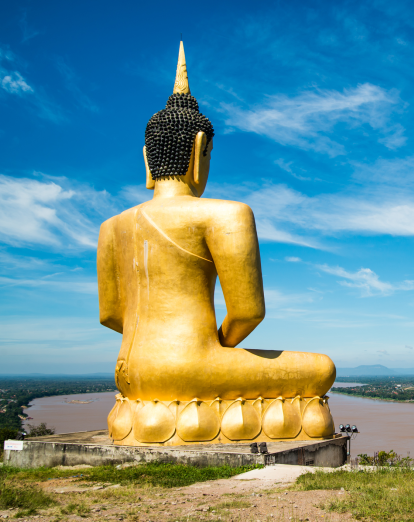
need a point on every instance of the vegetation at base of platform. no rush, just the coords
(27, 498)
(382, 494)
(164, 475)
(151, 474)
(384, 388)
(17, 391)
(385, 458)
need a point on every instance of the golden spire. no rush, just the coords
(181, 79)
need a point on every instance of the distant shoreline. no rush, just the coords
(372, 398)
(69, 394)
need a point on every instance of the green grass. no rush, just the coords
(79, 509)
(380, 495)
(27, 498)
(233, 504)
(154, 474)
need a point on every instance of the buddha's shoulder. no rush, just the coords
(215, 204)
(221, 207)
(200, 208)
(123, 217)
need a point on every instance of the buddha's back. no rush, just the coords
(165, 257)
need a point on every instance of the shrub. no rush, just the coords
(40, 430)
(384, 458)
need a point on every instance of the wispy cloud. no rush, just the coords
(305, 120)
(13, 82)
(366, 281)
(27, 32)
(287, 215)
(394, 173)
(275, 300)
(286, 166)
(56, 212)
(292, 259)
(44, 212)
(72, 84)
(269, 231)
(87, 286)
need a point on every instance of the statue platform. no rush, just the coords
(96, 448)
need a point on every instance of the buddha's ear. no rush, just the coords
(150, 183)
(199, 146)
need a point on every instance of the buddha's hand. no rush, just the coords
(121, 373)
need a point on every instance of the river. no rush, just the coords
(383, 425)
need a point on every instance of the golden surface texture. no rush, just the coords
(221, 421)
(158, 263)
(181, 85)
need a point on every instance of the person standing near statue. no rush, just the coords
(181, 379)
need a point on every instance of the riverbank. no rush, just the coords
(17, 392)
(71, 413)
(373, 398)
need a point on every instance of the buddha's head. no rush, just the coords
(179, 139)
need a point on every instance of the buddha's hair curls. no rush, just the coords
(170, 135)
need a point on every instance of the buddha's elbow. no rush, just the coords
(252, 319)
(111, 322)
(259, 315)
(257, 319)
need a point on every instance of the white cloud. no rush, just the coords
(45, 212)
(286, 215)
(383, 352)
(394, 138)
(58, 213)
(366, 281)
(14, 83)
(69, 286)
(304, 121)
(394, 173)
(269, 232)
(287, 167)
(274, 298)
(293, 259)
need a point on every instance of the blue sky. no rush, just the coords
(312, 104)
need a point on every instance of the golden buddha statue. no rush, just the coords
(181, 380)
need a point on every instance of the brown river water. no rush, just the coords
(383, 425)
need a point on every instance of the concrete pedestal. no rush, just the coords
(96, 448)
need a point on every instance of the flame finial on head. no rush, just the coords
(181, 79)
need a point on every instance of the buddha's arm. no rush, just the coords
(234, 246)
(110, 310)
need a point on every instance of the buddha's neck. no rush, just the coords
(171, 188)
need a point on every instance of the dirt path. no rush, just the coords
(228, 500)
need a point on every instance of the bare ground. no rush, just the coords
(228, 500)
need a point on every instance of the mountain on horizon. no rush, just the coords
(373, 370)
